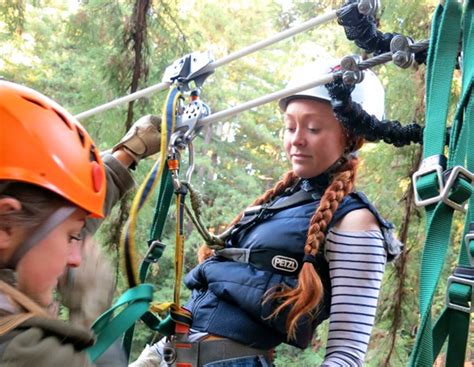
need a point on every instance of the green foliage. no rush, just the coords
(12, 14)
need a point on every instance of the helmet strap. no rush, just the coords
(343, 159)
(56, 218)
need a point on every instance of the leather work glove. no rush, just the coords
(88, 290)
(143, 139)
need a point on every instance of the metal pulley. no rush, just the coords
(194, 67)
(193, 112)
(187, 128)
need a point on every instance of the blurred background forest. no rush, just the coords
(84, 53)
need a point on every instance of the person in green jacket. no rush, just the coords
(55, 188)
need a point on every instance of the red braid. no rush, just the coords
(305, 298)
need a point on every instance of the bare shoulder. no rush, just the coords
(358, 220)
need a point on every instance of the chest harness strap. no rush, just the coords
(272, 260)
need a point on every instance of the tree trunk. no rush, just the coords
(137, 38)
(402, 263)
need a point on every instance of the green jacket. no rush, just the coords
(42, 342)
(45, 342)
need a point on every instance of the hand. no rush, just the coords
(143, 139)
(148, 358)
(88, 290)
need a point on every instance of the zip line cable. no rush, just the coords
(366, 64)
(369, 63)
(215, 64)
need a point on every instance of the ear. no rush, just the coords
(7, 237)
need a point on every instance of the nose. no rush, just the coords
(298, 137)
(74, 258)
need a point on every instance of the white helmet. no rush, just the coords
(369, 93)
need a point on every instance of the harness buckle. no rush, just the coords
(433, 164)
(467, 239)
(463, 276)
(451, 176)
(180, 352)
(155, 248)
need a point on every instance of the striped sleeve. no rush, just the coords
(356, 266)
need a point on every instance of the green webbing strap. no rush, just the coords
(107, 327)
(137, 299)
(161, 211)
(446, 25)
(159, 219)
(468, 43)
(441, 61)
(163, 203)
(455, 318)
(455, 324)
(440, 66)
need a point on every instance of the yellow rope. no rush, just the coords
(132, 220)
(179, 253)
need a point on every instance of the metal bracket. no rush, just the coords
(351, 74)
(187, 128)
(368, 7)
(194, 67)
(402, 55)
(433, 164)
(190, 170)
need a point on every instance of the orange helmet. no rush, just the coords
(42, 144)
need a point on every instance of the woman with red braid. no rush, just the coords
(309, 249)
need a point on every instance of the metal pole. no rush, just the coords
(265, 99)
(225, 60)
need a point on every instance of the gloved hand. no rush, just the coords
(149, 357)
(88, 290)
(143, 139)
